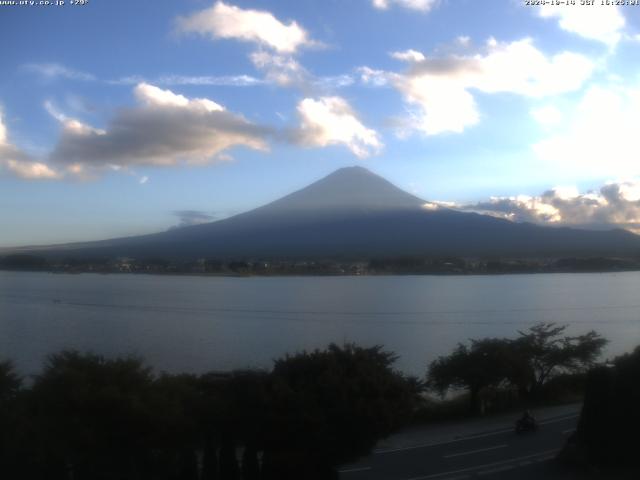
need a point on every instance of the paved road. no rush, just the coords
(492, 455)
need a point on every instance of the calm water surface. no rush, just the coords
(194, 324)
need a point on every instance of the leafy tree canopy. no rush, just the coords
(10, 382)
(544, 351)
(527, 362)
(339, 401)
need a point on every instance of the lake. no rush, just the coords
(195, 324)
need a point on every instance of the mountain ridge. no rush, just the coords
(354, 213)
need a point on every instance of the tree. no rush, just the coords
(10, 385)
(543, 352)
(234, 415)
(90, 417)
(10, 382)
(329, 407)
(174, 405)
(607, 433)
(23, 262)
(527, 362)
(484, 363)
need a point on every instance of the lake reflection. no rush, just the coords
(182, 323)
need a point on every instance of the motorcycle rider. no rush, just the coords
(527, 421)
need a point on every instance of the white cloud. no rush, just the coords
(220, 81)
(55, 70)
(173, 80)
(440, 88)
(165, 128)
(375, 78)
(420, 5)
(445, 105)
(520, 208)
(599, 137)
(615, 204)
(18, 163)
(519, 67)
(228, 21)
(282, 70)
(29, 170)
(286, 71)
(193, 217)
(153, 96)
(278, 43)
(335, 81)
(3, 132)
(547, 115)
(603, 23)
(127, 80)
(71, 124)
(464, 40)
(331, 121)
(144, 179)
(409, 56)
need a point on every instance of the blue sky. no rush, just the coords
(120, 117)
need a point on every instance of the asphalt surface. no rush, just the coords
(496, 454)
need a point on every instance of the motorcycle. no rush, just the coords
(526, 424)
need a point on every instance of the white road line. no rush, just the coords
(471, 437)
(497, 470)
(556, 420)
(471, 452)
(570, 430)
(486, 465)
(352, 470)
(544, 459)
(435, 444)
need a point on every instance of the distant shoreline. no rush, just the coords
(448, 265)
(318, 275)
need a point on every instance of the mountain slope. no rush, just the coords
(347, 189)
(353, 213)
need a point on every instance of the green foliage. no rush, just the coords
(331, 406)
(543, 352)
(23, 262)
(10, 382)
(526, 363)
(483, 364)
(610, 419)
(88, 417)
(91, 415)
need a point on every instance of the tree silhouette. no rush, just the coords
(543, 351)
(607, 433)
(483, 364)
(527, 362)
(329, 407)
(10, 384)
(90, 417)
(174, 405)
(235, 411)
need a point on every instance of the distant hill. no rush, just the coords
(356, 214)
